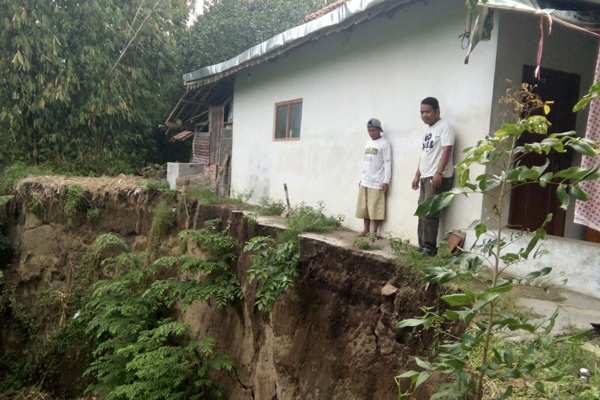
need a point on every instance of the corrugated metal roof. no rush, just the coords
(343, 15)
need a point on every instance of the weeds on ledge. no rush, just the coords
(305, 218)
(269, 206)
(207, 195)
(366, 243)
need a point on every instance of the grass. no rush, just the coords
(366, 243)
(571, 357)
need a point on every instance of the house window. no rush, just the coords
(288, 119)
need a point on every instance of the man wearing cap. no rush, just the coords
(375, 179)
(434, 174)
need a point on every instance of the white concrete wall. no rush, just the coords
(382, 68)
(575, 263)
(177, 170)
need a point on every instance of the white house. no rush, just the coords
(301, 100)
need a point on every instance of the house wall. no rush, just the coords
(382, 68)
(566, 50)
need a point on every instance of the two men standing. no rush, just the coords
(433, 176)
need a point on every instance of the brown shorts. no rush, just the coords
(370, 204)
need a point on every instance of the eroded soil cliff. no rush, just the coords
(332, 337)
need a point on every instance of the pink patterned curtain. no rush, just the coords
(588, 212)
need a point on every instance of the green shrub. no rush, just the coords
(204, 195)
(305, 218)
(273, 267)
(209, 195)
(17, 171)
(93, 214)
(366, 243)
(153, 185)
(163, 219)
(141, 352)
(269, 206)
(239, 199)
(74, 197)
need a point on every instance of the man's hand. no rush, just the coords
(415, 182)
(385, 187)
(436, 181)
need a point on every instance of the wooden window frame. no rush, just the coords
(287, 137)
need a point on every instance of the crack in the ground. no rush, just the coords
(245, 387)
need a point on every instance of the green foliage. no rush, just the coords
(305, 218)
(366, 243)
(592, 95)
(93, 214)
(204, 195)
(85, 83)
(476, 357)
(268, 206)
(239, 199)
(15, 172)
(74, 197)
(209, 195)
(273, 267)
(163, 219)
(140, 350)
(228, 27)
(153, 185)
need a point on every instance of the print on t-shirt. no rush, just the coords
(370, 150)
(428, 141)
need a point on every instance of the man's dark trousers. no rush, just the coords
(429, 224)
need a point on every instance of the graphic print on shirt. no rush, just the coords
(428, 141)
(371, 150)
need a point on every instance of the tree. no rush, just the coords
(86, 82)
(477, 311)
(228, 27)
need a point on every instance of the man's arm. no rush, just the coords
(437, 177)
(387, 168)
(416, 179)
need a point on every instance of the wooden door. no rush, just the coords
(530, 204)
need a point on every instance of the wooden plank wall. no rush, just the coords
(215, 126)
(201, 148)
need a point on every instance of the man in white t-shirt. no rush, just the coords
(434, 174)
(375, 179)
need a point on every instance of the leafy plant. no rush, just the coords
(273, 267)
(592, 95)
(238, 199)
(204, 195)
(5, 199)
(15, 172)
(140, 350)
(163, 219)
(305, 218)
(366, 243)
(477, 311)
(153, 185)
(74, 196)
(268, 206)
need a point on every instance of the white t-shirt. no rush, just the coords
(377, 167)
(436, 136)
